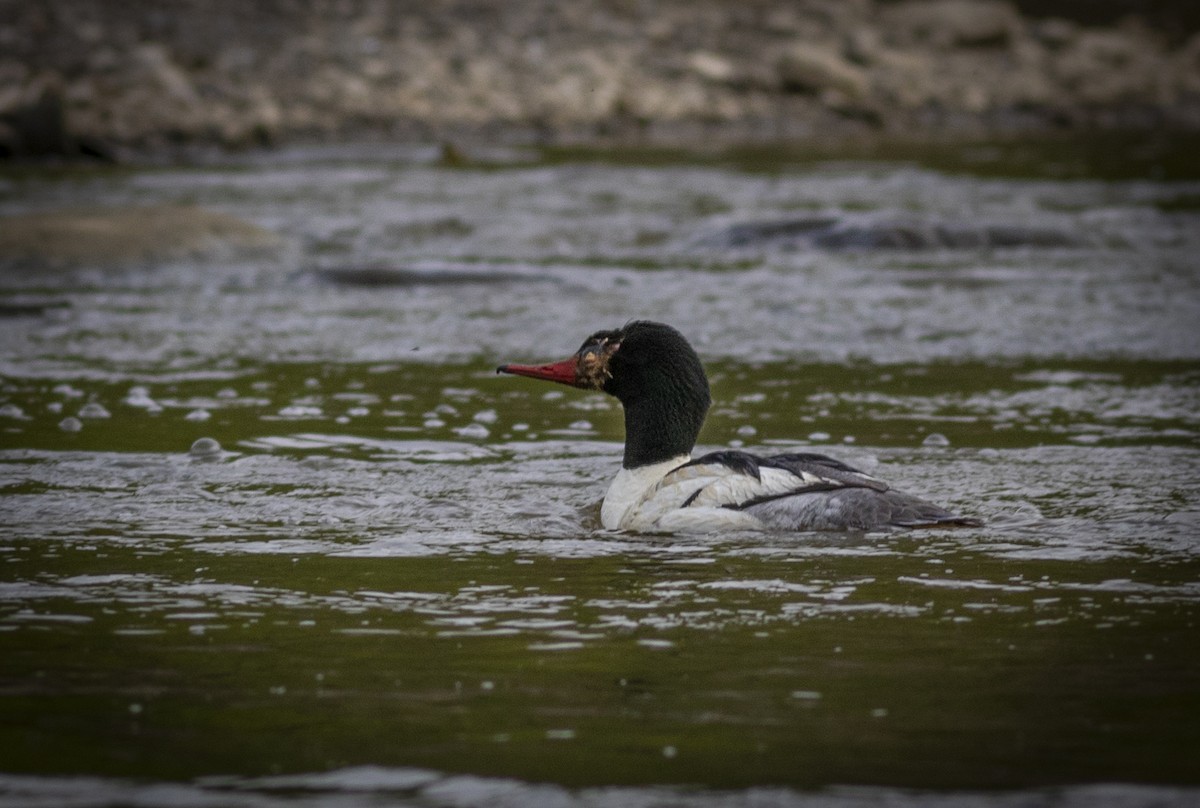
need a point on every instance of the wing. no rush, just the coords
(738, 480)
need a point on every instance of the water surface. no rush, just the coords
(388, 583)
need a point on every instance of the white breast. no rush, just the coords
(651, 499)
(716, 494)
(629, 490)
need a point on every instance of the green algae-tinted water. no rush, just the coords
(389, 585)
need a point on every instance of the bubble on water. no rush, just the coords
(473, 431)
(433, 423)
(205, 449)
(198, 415)
(747, 431)
(312, 383)
(140, 397)
(935, 439)
(580, 425)
(54, 407)
(300, 411)
(669, 752)
(818, 436)
(70, 424)
(11, 411)
(227, 392)
(737, 444)
(485, 416)
(358, 412)
(67, 391)
(93, 409)
(520, 427)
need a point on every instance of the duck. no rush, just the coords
(658, 378)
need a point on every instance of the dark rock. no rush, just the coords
(407, 276)
(31, 309)
(39, 130)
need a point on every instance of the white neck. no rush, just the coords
(629, 489)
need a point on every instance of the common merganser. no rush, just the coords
(657, 376)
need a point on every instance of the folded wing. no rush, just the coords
(798, 491)
(732, 479)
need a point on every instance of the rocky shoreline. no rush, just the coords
(119, 81)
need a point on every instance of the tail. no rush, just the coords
(913, 512)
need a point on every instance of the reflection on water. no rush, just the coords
(276, 533)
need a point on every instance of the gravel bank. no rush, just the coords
(139, 77)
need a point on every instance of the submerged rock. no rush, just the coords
(831, 233)
(125, 236)
(411, 276)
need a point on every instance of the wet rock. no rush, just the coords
(125, 236)
(1055, 33)
(953, 23)
(711, 67)
(811, 68)
(1107, 67)
(1186, 65)
(38, 128)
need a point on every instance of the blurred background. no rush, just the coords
(118, 80)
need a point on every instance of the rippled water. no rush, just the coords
(388, 583)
